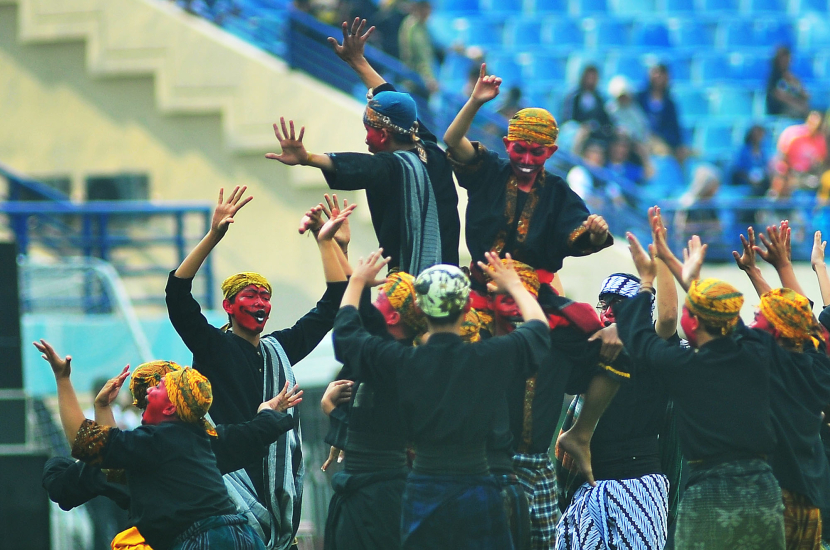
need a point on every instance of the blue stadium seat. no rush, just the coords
(680, 67)
(627, 64)
(803, 7)
(651, 35)
(750, 70)
(692, 105)
(738, 34)
(563, 34)
(505, 66)
(730, 6)
(813, 32)
(667, 181)
(714, 141)
(546, 67)
(603, 34)
(679, 7)
(774, 32)
(803, 67)
(455, 69)
(633, 7)
(731, 102)
(503, 7)
(485, 32)
(457, 6)
(691, 34)
(712, 68)
(757, 7)
(443, 29)
(589, 7)
(559, 7)
(522, 34)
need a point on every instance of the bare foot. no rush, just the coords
(580, 451)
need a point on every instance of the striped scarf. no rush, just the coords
(421, 239)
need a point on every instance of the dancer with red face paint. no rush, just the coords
(408, 181)
(247, 368)
(514, 205)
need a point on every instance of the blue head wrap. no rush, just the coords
(395, 111)
(620, 284)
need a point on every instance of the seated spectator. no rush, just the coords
(588, 186)
(626, 114)
(802, 152)
(699, 221)
(387, 21)
(585, 105)
(751, 167)
(786, 95)
(415, 44)
(661, 112)
(620, 160)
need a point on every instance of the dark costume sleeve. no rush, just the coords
(373, 172)
(530, 347)
(71, 483)
(824, 317)
(238, 445)
(110, 447)
(370, 356)
(186, 316)
(299, 340)
(477, 170)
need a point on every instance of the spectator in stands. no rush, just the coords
(586, 106)
(802, 152)
(388, 20)
(701, 221)
(626, 114)
(619, 160)
(415, 44)
(662, 115)
(751, 167)
(785, 94)
(590, 188)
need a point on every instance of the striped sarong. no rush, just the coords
(517, 510)
(229, 532)
(802, 522)
(619, 514)
(535, 473)
(735, 505)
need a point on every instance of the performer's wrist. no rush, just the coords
(307, 161)
(647, 287)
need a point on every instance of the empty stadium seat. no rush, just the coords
(549, 6)
(443, 29)
(691, 34)
(457, 6)
(774, 32)
(505, 66)
(680, 67)
(589, 7)
(522, 34)
(678, 7)
(651, 35)
(606, 33)
(563, 34)
(545, 67)
(813, 32)
(485, 32)
(750, 70)
(737, 34)
(804, 7)
(692, 105)
(715, 6)
(632, 7)
(756, 7)
(731, 102)
(714, 141)
(629, 65)
(503, 7)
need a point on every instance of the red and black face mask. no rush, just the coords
(250, 308)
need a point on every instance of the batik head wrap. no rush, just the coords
(620, 284)
(790, 313)
(399, 289)
(146, 376)
(534, 126)
(192, 395)
(442, 291)
(235, 283)
(716, 303)
(394, 111)
(471, 327)
(528, 275)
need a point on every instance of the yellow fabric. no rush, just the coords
(130, 539)
(146, 376)
(399, 289)
(233, 284)
(717, 303)
(471, 327)
(528, 275)
(790, 313)
(534, 126)
(192, 395)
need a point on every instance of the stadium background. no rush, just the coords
(122, 118)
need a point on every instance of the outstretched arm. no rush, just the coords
(330, 252)
(294, 152)
(693, 256)
(72, 416)
(223, 215)
(817, 261)
(778, 255)
(105, 397)
(351, 51)
(747, 263)
(313, 221)
(666, 292)
(365, 274)
(486, 89)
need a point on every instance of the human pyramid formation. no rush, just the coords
(453, 379)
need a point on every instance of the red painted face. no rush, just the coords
(250, 309)
(382, 304)
(762, 323)
(375, 139)
(606, 312)
(527, 159)
(508, 315)
(158, 405)
(689, 324)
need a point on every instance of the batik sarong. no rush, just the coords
(802, 522)
(735, 505)
(619, 514)
(229, 532)
(535, 473)
(453, 512)
(365, 510)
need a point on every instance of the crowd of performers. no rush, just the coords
(454, 378)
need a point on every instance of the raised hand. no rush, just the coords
(61, 368)
(339, 454)
(776, 252)
(284, 400)
(817, 256)
(293, 150)
(504, 277)
(597, 229)
(486, 88)
(337, 393)
(110, 390)
(354, 41)
(692, 261)
(226, 209)
(332, 209)
(367, 271)
(329, 229)
(643, 261)
(611, 343)
(746, 261)
(312, 220)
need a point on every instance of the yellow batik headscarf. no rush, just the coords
(192, 395)
(534, 126)
(146, 376)
(528, 275)
(790, 313)
(471, 327)
(233, 284)
(399, 289)
(716, 303)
